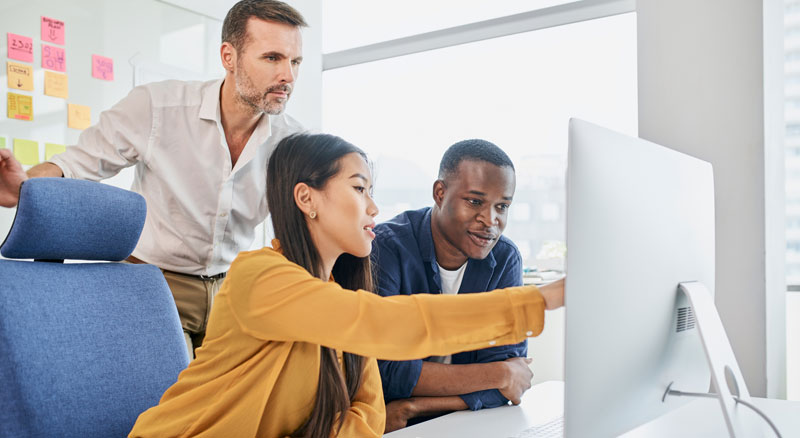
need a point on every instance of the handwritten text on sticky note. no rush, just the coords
(26, 151)
(56, 84)
(78, 116)
(20, 47)
(52, 30)
(20, 76)
(102, 68)
(53, 58)
(20, 107)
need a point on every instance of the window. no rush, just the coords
(353, 23)
(517, 91)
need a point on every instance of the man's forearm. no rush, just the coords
(438, 379)
(44, 170)
(424, 406)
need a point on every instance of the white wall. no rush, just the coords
(703, 90)
(305, 103)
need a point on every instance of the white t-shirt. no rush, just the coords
(451, 280)
(451, 283)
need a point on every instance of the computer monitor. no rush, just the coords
(640, 220)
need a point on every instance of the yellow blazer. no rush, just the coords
(256, 374)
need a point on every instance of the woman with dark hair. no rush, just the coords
(294, 332)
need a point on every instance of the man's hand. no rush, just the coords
(398, 413)
(553, 294)
(518, 378)
(11, 178)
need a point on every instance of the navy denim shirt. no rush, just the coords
(404, 255)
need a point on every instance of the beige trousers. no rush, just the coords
(193, 297)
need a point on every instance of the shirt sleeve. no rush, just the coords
(367, 414)
(118, 140)
(399, 378)
(492, 398)
(274, 299)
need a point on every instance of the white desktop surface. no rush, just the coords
(545, 401)
(540, 404)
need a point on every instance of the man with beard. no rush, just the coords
(454, 247)
(200, 153)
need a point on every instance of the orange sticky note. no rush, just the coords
(79, 116)
(53, 58)
(102, 68)
(56, 84)
(20, 76)
(26, 151)
(51, 149)
(20, 107)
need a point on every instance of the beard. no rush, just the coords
(260, 101)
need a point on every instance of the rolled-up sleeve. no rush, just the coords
(118, 140)
(399, 378)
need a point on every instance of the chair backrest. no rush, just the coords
(84, 347)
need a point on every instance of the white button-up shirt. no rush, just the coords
(200, 211)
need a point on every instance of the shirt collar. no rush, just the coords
(209, 104)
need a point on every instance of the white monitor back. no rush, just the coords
(640, 220)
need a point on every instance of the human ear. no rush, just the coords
(227, 55)
(304, 198)
(438, 192)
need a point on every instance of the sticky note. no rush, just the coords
(52, 30)
(56, 84)
(2, 142)
(26, 151)
(102, 68)
(53, 58)
(20, 107)
(20, 76)
(20, 47)
(51, 149)
(78, 116)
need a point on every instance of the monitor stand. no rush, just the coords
(725, 374)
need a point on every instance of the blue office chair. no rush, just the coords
(84, 347)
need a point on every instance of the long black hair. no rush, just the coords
(313, 159)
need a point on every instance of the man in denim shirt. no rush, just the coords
(456, 246)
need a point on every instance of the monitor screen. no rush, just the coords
(640, 220)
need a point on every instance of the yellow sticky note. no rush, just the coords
(26, 151)
(20, 107)
(2, 142)
(56, 84)
(20, 76)
(79, 116)
(51, 149)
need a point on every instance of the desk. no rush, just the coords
(541, 403)
(545, 401)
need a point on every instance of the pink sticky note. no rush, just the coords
(20, 47)
(53, 58)
(52, 30)
(102, 67)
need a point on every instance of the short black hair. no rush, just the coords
(473, 149)
(234, 28)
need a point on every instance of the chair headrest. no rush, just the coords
(61, 218)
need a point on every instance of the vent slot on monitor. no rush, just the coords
(685, 319)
